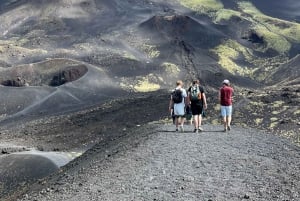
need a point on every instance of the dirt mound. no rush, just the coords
(184, 28)
(52, 73)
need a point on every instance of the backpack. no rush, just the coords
(195, 93)
(177, 96)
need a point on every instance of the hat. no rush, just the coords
(226, 82)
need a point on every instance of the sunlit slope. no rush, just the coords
(257, 44)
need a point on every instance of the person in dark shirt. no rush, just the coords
(197, 101)
(225, 99)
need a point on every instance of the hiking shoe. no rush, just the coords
(229, 128)
(225, 130)
(200, 129)
(195, 130)
(176, 130)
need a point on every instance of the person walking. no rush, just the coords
(197, 100)
(225, 99)
(178, 102)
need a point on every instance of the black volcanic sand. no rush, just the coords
(131, 159)
(153, 162)
(77, 112)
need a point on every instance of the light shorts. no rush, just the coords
(179, 109)
(226, 110)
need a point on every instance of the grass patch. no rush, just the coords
(151, 51)
(128, 55)
(225, 14)
(277, 33)
(274, 40)
(297, 112)
(145, 84)
(275, 112)
(202, 6)
(228, 52)
(170, 68)
(258, 121)
(277, 104)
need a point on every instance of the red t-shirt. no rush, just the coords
(226, 93)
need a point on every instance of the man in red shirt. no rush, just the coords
(225, 99)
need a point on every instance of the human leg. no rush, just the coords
(224, 117)
(228, 118)
(176, 122)
(196, 122)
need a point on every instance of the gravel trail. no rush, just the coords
(155, 163)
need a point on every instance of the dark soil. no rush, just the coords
(129, 159)
(155, 163)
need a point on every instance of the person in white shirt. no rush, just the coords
(179, 106)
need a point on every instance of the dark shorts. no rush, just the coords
(197, 109)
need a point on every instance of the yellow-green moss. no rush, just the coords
(257, 104)
(228, 52)
(277, 103)
(297, 112)
(202, 6)
(128, 55)
(274, 119)
(146, 86)
(275, 31)
(276, 112)
(273, 124)
(170, 68)
(225, 14)
(273, 39)
(258, 121)
(150, 50)
(290, 30)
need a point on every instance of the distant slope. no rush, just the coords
(287, 74)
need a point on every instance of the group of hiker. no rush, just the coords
(194, 100)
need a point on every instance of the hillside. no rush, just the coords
(69, 67)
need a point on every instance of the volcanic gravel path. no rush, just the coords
(156, 163)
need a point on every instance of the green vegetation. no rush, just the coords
(202, 6)
(225, 14)
(257, 68)
(144, 85)
(258, 121)
(228, 52)
(170, 68)
(277, 33)
(128, 55)
(150, 50)
(277, 104)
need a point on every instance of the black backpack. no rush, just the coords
(177, 96)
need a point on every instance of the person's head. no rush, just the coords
(179, 83)
(196, 82)
(226, 82)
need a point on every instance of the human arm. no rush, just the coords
(171, 104)
(204, 100)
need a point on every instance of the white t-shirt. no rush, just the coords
(179, 107)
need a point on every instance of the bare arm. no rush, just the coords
(204, 100)
(171, 103)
